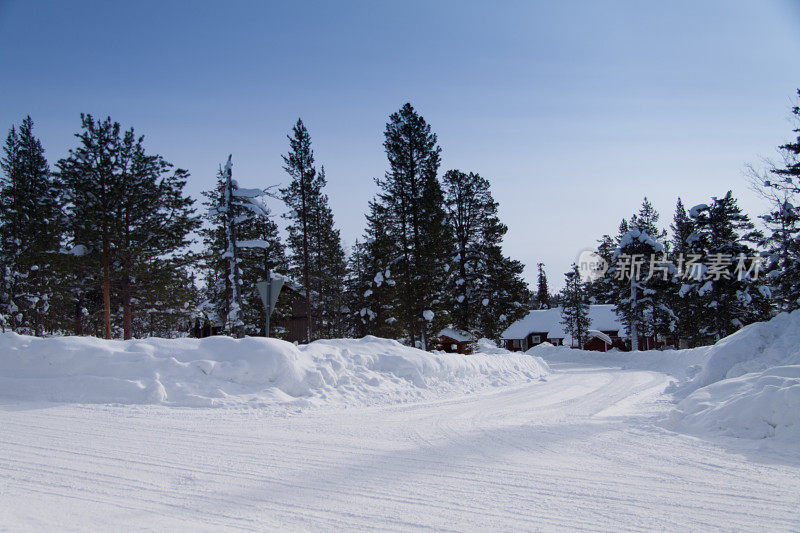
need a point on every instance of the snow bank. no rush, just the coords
(757, 406)
(753, 348)
(220, 371)
(488, 346)
(750, 385)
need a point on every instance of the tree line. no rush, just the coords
(106, 243)
(712, 273)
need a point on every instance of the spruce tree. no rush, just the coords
(602, 290)
(375, 300)
(681, 227)
(686, 306)
(30, 234)
(575, 307)
(642, 275)
(299, 164)
(508, 295)
(316, 254)
(542, 290)
(728, 286)
(328, 264)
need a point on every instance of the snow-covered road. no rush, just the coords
(579, 451)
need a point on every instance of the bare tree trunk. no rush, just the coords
(78, 318)
(127, 315)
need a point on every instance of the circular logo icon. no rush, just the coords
(591, 265)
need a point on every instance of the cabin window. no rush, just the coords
(536, 339)
(516, 343)
(454, 347)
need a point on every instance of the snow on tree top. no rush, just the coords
(637, 235)
(693, 212)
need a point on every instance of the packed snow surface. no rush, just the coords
(219, 371)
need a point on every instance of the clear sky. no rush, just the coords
(573, 110)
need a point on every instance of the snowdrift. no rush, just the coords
(221, 371)
(750, 385)
(681, 364)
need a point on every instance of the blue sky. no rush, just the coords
(573, 110)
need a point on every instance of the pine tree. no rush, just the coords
(412, 200)
(575, 307)
(30, 233)
(127, 219)
(487, 290)
(93, 186)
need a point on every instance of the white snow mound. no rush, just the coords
(221, 371)
(750, 385)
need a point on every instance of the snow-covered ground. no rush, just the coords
(394, 439)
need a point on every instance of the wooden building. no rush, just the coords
(454, 341)
(544, 325)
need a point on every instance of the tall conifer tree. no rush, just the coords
(411, 201)
(487, 292)
(127, 219)
(316, 255)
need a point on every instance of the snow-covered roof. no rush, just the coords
(456, 335)
(602, 317)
